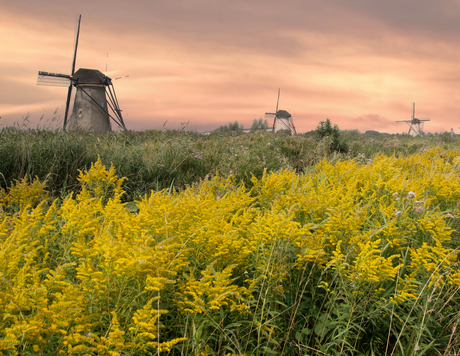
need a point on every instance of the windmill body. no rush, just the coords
(90, 106)
(416, 127)
(282, 121)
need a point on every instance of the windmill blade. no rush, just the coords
(77, 34)
(269, 115)
(67, 105)
(278, 101)
(413, 110)
(53, 79)
(69, 92)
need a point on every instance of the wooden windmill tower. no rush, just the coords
(282, 120)
(415, 125)
(94, 95)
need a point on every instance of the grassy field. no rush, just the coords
(315, 253)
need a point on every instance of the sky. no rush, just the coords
(200, 64)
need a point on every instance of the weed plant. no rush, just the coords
(354, 257)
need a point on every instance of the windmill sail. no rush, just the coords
(69, 92)
(77, 34)
(276, 111)
(53, 79)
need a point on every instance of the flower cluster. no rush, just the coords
(85, 275)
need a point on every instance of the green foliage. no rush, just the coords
(331, 134)
(259, 125)
(232, 127)
(372, 133)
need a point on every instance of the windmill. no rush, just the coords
(415, 125)
(282, 120)
(94, 95)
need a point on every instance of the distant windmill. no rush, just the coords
(415, 125)
(282, 120)
(90, 108)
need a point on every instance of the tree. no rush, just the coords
(372, 132)
(259, 125)
(325, 129)
(234, 127)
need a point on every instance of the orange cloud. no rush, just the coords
(215, 62)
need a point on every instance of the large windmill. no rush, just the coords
(282, 120)
(415, 124)
(94, 95)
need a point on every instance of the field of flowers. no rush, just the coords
(353, 256)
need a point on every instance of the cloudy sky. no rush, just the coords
(360, 63)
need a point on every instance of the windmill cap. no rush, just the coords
(89, 76)
(283, 114)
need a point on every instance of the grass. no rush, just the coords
(156, 160)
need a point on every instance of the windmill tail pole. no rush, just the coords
(115, 106)
(293, 130)
(114, 99)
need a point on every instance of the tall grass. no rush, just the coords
(155, 160)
